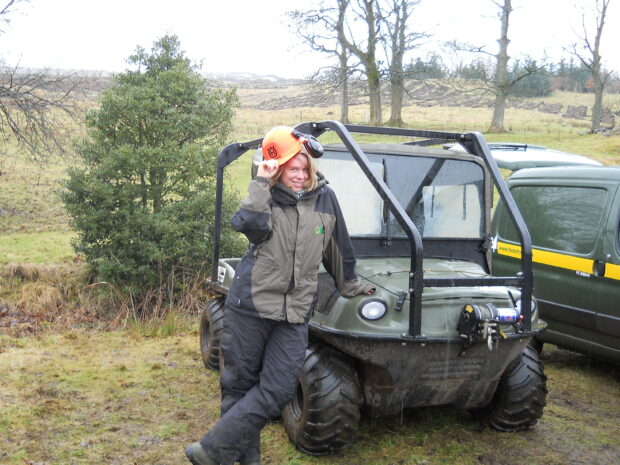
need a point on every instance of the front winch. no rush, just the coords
(481, 322)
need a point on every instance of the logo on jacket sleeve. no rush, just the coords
(319, 230)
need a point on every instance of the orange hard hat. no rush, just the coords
(281, 144)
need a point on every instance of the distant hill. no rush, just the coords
(245, 78)
(91, 83)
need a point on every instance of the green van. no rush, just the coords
(573, 216)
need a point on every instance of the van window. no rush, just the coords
(563, 218)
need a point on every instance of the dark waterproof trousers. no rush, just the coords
(259, 369)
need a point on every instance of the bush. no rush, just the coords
(533, 85)
(479, 69)
(143, 201)
(431, 68)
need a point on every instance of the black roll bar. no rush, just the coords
(226, 156)
(478, 146)
(473, 142)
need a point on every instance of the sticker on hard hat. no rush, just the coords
(272, 152)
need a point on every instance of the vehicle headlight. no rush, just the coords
(373, 309)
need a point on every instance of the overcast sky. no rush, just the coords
(252, 35)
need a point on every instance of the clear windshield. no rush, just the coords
(443, 197)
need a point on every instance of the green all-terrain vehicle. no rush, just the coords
(440, 329)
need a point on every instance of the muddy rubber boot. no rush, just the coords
(198, 456)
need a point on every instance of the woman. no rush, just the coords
(294, 224)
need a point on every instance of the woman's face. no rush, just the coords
(295, 173)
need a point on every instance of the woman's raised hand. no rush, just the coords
(267, 168)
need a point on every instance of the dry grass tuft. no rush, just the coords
(157, 304)
(40, 300)
(23, 271)
(35, 272)
(32, 295)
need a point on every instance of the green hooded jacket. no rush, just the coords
(290, 237)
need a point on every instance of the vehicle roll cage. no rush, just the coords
(473, 142)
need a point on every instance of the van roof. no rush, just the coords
(578, 172)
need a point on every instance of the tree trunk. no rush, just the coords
(501, 74)
(397, 92)
(597, 107)
(499, 108)
(397, 79)
(344, 87)
(397, 31)
(343, 58)
(368, 59)
(597, 73)
(374, 94)
(370, 63)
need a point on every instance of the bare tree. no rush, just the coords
(589, 55)
(323, 30)
(9, 7)
(502, 80)
(343, 58)
(502, 84)
(335, 30)
(367, 11)
(34, 105)
(399, 40)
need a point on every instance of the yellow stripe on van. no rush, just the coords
(510, 250)
(563, 261)
(559, 260)
(612, 271)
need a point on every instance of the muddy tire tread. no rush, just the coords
(325, 420)
(520, 397)
(210, 331)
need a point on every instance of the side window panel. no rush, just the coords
(563, 218)
(362, 207)
(444, 198)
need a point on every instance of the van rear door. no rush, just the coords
(608, 316)
(576, 272)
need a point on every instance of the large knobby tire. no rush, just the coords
(323, 415)
(520, 397)
(211, 327)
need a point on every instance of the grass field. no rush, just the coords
(30, 205)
